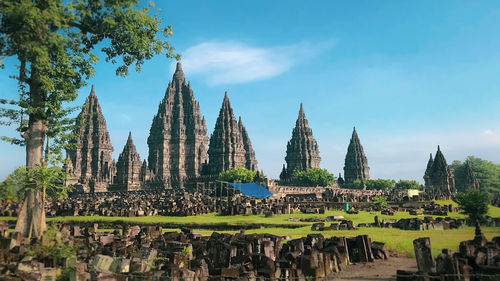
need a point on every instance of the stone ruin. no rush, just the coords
(148, 253)
(356, 164)
(477, 259)
(439, 180)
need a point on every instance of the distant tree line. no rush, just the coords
(487, 173)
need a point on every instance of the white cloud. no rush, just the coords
(233, 62)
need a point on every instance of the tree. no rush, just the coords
(11, 187)
(487, 173)
(379, 202)
(474, 204)
(407, 184)
(237, 175)
(313, 177)
(54, 42)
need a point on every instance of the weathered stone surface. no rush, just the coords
(302, 150)
(90, 163)
(178, 136)
(356, 164)
(226, 150)
(423, 254)
(128, 168)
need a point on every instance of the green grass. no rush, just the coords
(398, 241)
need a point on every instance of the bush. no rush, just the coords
(474, 204)
(313, 177)
(378, 184)
(237, 175)
(407, 184)
(379, 201)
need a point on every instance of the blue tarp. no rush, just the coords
(251, 189)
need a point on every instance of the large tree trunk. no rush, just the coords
(31, 218)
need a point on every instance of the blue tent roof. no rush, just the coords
(251, 189)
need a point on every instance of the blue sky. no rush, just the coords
(408, 74)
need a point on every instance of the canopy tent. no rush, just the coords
(251, 189)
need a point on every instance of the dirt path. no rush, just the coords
(376, 271)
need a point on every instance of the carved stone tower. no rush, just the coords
(90, 162)
(250, 160)
(226, 150)
(442, 181)
(178, 136)
(356, 164)
(428, 172)
(302, 151)
(128, 168)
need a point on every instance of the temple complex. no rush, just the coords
(302, 151)
(178, 136)
(439, 179)
(89, 162)
(228, 149)
(128, 168)
(356, 164)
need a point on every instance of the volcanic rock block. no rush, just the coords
(423, 254)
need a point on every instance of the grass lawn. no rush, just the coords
(398, 241)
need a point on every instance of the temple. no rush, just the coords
(128, 168)
(230, 146)
(356, 164)
(178, 136)
(89, 161)
(302, 150)
(440, 181)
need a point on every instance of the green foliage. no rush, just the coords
(377, 184)
(487, 173)
(237, 175)
(474, 204)
(11, 188)
(51, 245)
(55, 43)
(407, 184)
(379, 201)
(49, 180)
(313, 177)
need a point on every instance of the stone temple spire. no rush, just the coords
(471, 181)
(428, 172)
(442, 181)
(356, 164)
(178, 136)
(91, 159)
(128, 167)
(302, 150)
(250, 160)
(226, 150)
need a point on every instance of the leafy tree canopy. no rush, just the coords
(313, 177)
(474, 204)
(11, 188)
(379, 201)
(375, 184)
(487, 173)
(237, 175)
(407, 184)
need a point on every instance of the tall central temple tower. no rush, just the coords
(178, 136)
(302, 150)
